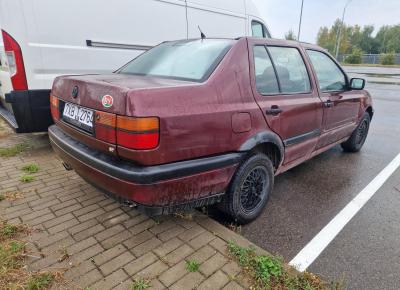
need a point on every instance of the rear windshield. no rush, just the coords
(192, 60)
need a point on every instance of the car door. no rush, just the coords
(285, 93)
(341, 106)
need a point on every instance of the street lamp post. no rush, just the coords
(340, 29)
(301, 16)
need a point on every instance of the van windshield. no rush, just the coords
(192, 60)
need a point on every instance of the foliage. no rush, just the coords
(388, 58)
(31, 168)
(355, 57)
(27, 178)
(13, 274)
(192, 266)
(290, 35)
(13, 150)
(269, 272)
(266, 267)
(8, 231)
(140, 284)
(352, 37)
(40, 281)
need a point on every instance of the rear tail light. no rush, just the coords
(138, 133)
(54, 108)
(15, 62)
(104, 126)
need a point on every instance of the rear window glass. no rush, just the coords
(191, 60)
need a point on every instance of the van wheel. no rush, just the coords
(249, 190)
(357, 138)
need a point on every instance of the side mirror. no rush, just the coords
(357, 84)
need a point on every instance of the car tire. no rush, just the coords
(249, 189)
(357, 138)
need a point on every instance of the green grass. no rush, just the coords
(140, 284)
(270, 272)
(192, 266)
(40, 281)
(8, 231)
(2, 197)
(13, 150)
(27, 178)
(13, 274)
(31, 168)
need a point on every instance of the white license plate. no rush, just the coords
(78, 116)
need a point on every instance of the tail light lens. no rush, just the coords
(54, 108)
(15, 62)
(104, 126)
(138, 133)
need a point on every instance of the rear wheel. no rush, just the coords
(357, 138)
(250, 188)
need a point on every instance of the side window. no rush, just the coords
(329, 76)
(257, 29)
(266, 81)
(291, 70)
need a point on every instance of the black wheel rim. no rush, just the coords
(254, 188)
(362, 131)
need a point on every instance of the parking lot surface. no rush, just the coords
(98, 243)
(366, 253)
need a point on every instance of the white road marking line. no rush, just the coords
(315, 247)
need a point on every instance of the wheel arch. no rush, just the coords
(266, 142)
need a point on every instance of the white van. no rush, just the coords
(47, 38)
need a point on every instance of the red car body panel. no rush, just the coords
(221, 115)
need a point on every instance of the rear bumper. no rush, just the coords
(30, 110)
(160, 188)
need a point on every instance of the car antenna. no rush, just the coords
(203, 36)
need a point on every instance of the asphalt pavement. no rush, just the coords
(366, 253)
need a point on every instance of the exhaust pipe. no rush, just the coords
(67, 166)
(129, 203)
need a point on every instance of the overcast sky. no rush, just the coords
(283, 15)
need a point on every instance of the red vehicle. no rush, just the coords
(196, 122)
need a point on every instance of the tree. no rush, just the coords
(356, 37)
(290, 35)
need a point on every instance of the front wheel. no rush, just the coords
(357, 138)
(249, 190)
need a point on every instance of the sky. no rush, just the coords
(283, 15)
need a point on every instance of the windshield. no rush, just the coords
(191, 60)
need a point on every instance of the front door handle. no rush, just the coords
(275, 110)
(328, 104)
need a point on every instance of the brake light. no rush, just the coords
(15, 62)
(138, 133)
(104, 126)
(54, 108)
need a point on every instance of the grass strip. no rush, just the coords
(270, 272)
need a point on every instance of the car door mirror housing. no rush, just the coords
(357, 84)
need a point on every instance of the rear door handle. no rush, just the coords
(275, 110)
(328, 104)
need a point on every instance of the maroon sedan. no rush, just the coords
(195, 122)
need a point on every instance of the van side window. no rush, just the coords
(257, 29)
(266, 81)
(291, 70)
(329, 75)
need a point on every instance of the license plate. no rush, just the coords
(78, 116)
